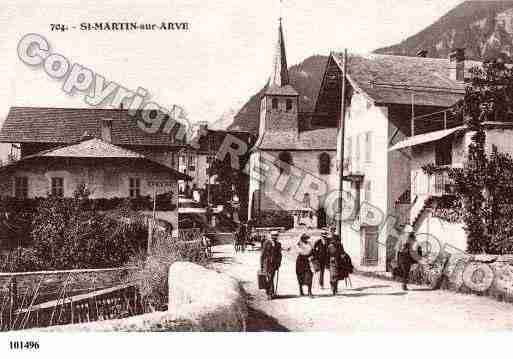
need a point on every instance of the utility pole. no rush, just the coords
(151, 230)
(412, 114)
(342, 140)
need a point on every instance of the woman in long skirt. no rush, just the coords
(303, 271)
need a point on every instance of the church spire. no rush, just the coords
(280, 73)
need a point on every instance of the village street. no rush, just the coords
(371, 304)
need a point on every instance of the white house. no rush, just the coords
(384, 93)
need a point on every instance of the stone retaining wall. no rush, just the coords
(211, 300)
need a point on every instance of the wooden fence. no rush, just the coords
(38, 299)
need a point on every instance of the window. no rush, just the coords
(368, 191)
(443, 152)
(306, 200)
(324, 163)
(349, 152)
(288, 105)
(368, 147)
(134, 187)
(21, 187)
(285, 162)
(57, 185)
(274, 103)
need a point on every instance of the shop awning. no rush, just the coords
(426, 138)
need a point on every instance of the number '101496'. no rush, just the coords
(23, 345)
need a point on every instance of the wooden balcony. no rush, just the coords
(438, 184)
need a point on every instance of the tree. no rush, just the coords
(483, 185)
(229, 178)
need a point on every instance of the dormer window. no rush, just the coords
(288, 105)
(274, 104)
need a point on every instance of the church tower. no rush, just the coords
(279, 104)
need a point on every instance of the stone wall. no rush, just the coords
(485, 275)
(211, 301)
(199, 300)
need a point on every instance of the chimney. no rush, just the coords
(107, 129)
(457, 65)
(422, 53)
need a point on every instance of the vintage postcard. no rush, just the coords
(270, 166)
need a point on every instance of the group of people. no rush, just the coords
(327, 254)
(314, 256)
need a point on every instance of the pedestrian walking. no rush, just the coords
(405, 254)
(243, 236)
(320, 255)
(270, 262)
(335, 252)
(303, 271)
(195, 193)
(346, 266)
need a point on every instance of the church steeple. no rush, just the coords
(280, 73)
(279, 83)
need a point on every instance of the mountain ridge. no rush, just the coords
(484, 28)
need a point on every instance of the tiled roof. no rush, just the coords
(97, 149)
(286, 90)
(67, 125)
(319, 139)
(389, 79)
(92, 148)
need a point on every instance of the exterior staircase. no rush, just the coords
(419, 211)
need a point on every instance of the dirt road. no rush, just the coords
(370, 305)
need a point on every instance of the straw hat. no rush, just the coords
(274, 234)
(408, 229)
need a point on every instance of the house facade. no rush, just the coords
(110, 153)
(292, 165)
(383, 94)
(106, 170)
(444, 149)
(195, 160)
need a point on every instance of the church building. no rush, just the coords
(296, 152)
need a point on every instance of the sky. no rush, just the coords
(222, 60)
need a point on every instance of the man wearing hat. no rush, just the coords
(270, 261)
(320, 253)
(405, 257)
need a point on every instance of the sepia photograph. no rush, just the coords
(339, 167)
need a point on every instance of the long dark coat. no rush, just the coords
(303, 271)
(320, 252)
(334, 260)
(241, 235)
(404, 256)
(270, 259)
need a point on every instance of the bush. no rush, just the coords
(20, 259)
(30, 205)
(152, 273)
(66, 234)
